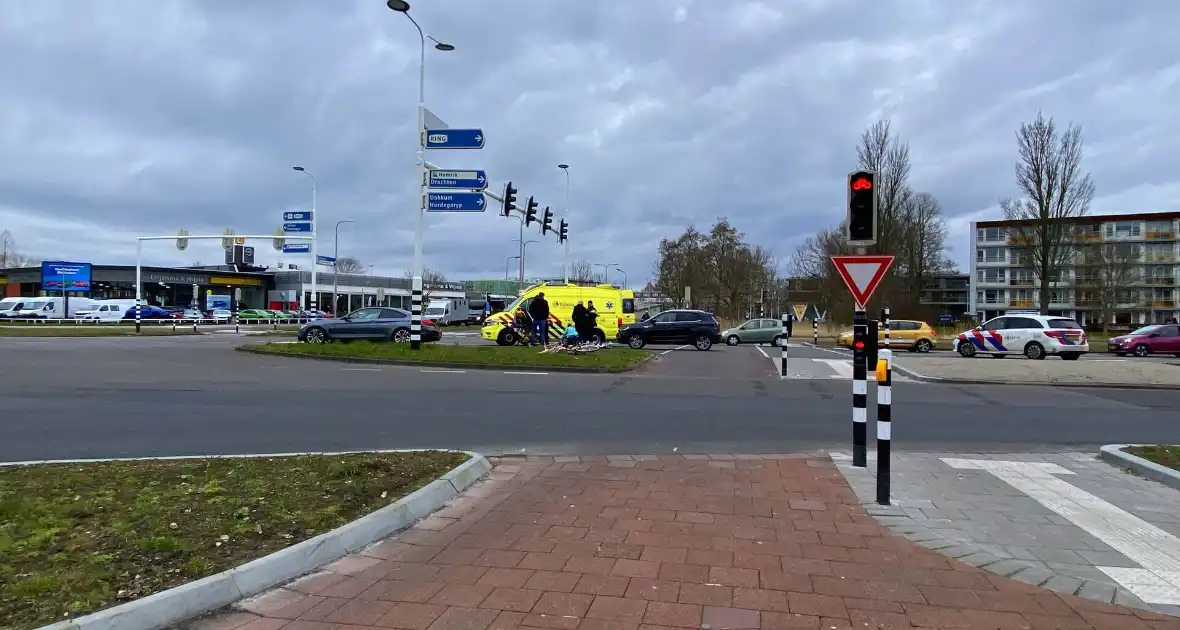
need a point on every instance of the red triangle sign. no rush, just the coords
(862, 274)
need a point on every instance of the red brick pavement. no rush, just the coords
(662, 543)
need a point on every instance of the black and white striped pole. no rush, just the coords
(416, 310)
(138, 316)
(783, 344)
(814, 332)
(860, 387)
(884, 415)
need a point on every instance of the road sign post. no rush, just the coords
(454, 139)
(296, 248)
(456, 202)
(862, 275)
(457, 180)
(884, 414)
(800, 310)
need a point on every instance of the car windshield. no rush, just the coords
(1064, 323)
(1146, 330)
(31, 306)
(435, 311)
(511, 308)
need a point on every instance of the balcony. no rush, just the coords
(1160, 235)
(1159, 257)
(1021, 282)
(1162, 281)
(1162, 303)
(1086, 302)
(1089, 237)
(1020, 303)
(1020, 239)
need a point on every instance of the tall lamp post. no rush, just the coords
(523, 247)
(606, 270)
(336, 271)
(620, 270)
(403, 7)
(565, 265)
(506, 261)
(313, 302)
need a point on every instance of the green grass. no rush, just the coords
(608, 359)
(1163, 455)
(92, 331)
(77, 538)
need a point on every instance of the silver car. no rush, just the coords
(372, 323)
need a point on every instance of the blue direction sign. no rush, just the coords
(297, 216)
(456, 202)
(327, 261)
(454, 138)
(469, 180)
(296, 227)
(297, 248)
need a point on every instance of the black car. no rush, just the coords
(373, 323)
(679, 326)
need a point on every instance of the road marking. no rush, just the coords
(360, 369)
(528, 373)
(675, 349)
(842, 368)
(444, 371)
(1153, 549)
(759, 349)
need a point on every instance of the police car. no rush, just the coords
(1031, 334)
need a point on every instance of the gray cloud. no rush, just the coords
(132, 117)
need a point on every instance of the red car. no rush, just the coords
(1153, 339)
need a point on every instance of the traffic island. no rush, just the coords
(605, 360)
(986, 370)
(1158, 462)
(140, 544)
(92, 331)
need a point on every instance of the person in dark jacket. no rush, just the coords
(539, 311)
(578, 317)
(591, 320)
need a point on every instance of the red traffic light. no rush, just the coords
(862, 183)
(860, 345)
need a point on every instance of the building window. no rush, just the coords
(990, 235)
(990, 296)
(1126, 229)
(990, 275)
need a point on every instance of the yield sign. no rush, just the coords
(862, 274)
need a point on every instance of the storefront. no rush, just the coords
(161, 286)
(292, 289)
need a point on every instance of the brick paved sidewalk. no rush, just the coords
(661, 543)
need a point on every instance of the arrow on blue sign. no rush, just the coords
(470, 180)
(297, 248)
(296, 227)
(297, 216)
(456, 202)
(454, 138)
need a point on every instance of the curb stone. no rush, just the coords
(222, 589)
(1114, 454)
(972, 381)
(449, 364)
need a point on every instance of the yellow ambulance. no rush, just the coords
(615, 306)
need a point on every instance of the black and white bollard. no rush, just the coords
(416, 313)
(814, 333)
(783, 344)
(173, 324)
(860, 388)
(138, 316)
(884, 413)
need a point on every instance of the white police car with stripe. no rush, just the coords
(1033, 335)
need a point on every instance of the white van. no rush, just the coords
(106, 311)
(9, 307)
(448, 312)
(52, 307)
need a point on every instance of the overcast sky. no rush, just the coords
(123, 118)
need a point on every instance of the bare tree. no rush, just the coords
(431, 278)
(8, 253)
(884, 153)
(725, 274)
(1056, 191)
(1111, 268)
(921, 247)
(350, 265)
(582, 271)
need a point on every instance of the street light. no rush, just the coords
(314, 302)
(403, 7)
(523, 247)
(565, 266)
(506, 261)
(620, 270)
(606, 270)
(336, 270)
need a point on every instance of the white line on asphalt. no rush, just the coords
(1153, 549)
(843, 368)
(674, 350)
(759, 349)
(444, 371)
(360, 369)
(528, 373)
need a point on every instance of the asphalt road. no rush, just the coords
(108, 397)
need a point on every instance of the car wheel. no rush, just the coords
(506, 337)
(703, 342)
(734, 340)
(777, 341)
(317, 335)
(923, 346)
(966, 349)
(1070, 356)
(1034, 351)
(401, 335)
(635, 342)
(1141, 350)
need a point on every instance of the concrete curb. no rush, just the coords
(1114, 454)
(216, 591)
(976, 381)
(448, 364)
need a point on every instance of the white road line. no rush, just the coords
(528, 373)
(674, 349)
(763, 352)
(443, 371)
(843, 368)
(1153, 549)
(360, 369)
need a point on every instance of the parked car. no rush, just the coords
(755, 331)
(148, 311)
(254, 313)
(1035, 336)
(678, 326)
(1154, 339)
(372, 323)
(220, 315)
(911, 334)
(192, 313)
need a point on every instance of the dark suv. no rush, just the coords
(680, 326)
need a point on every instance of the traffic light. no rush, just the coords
(509, 199)
(862, 208)
(563, 232)
(530, 212)
(547, 221)
(762, 298)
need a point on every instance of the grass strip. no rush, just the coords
(92, 331)
(615, 359)
(77, 538)
(1162, 454)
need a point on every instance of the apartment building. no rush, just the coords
(1142, 291)
(947, 294)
